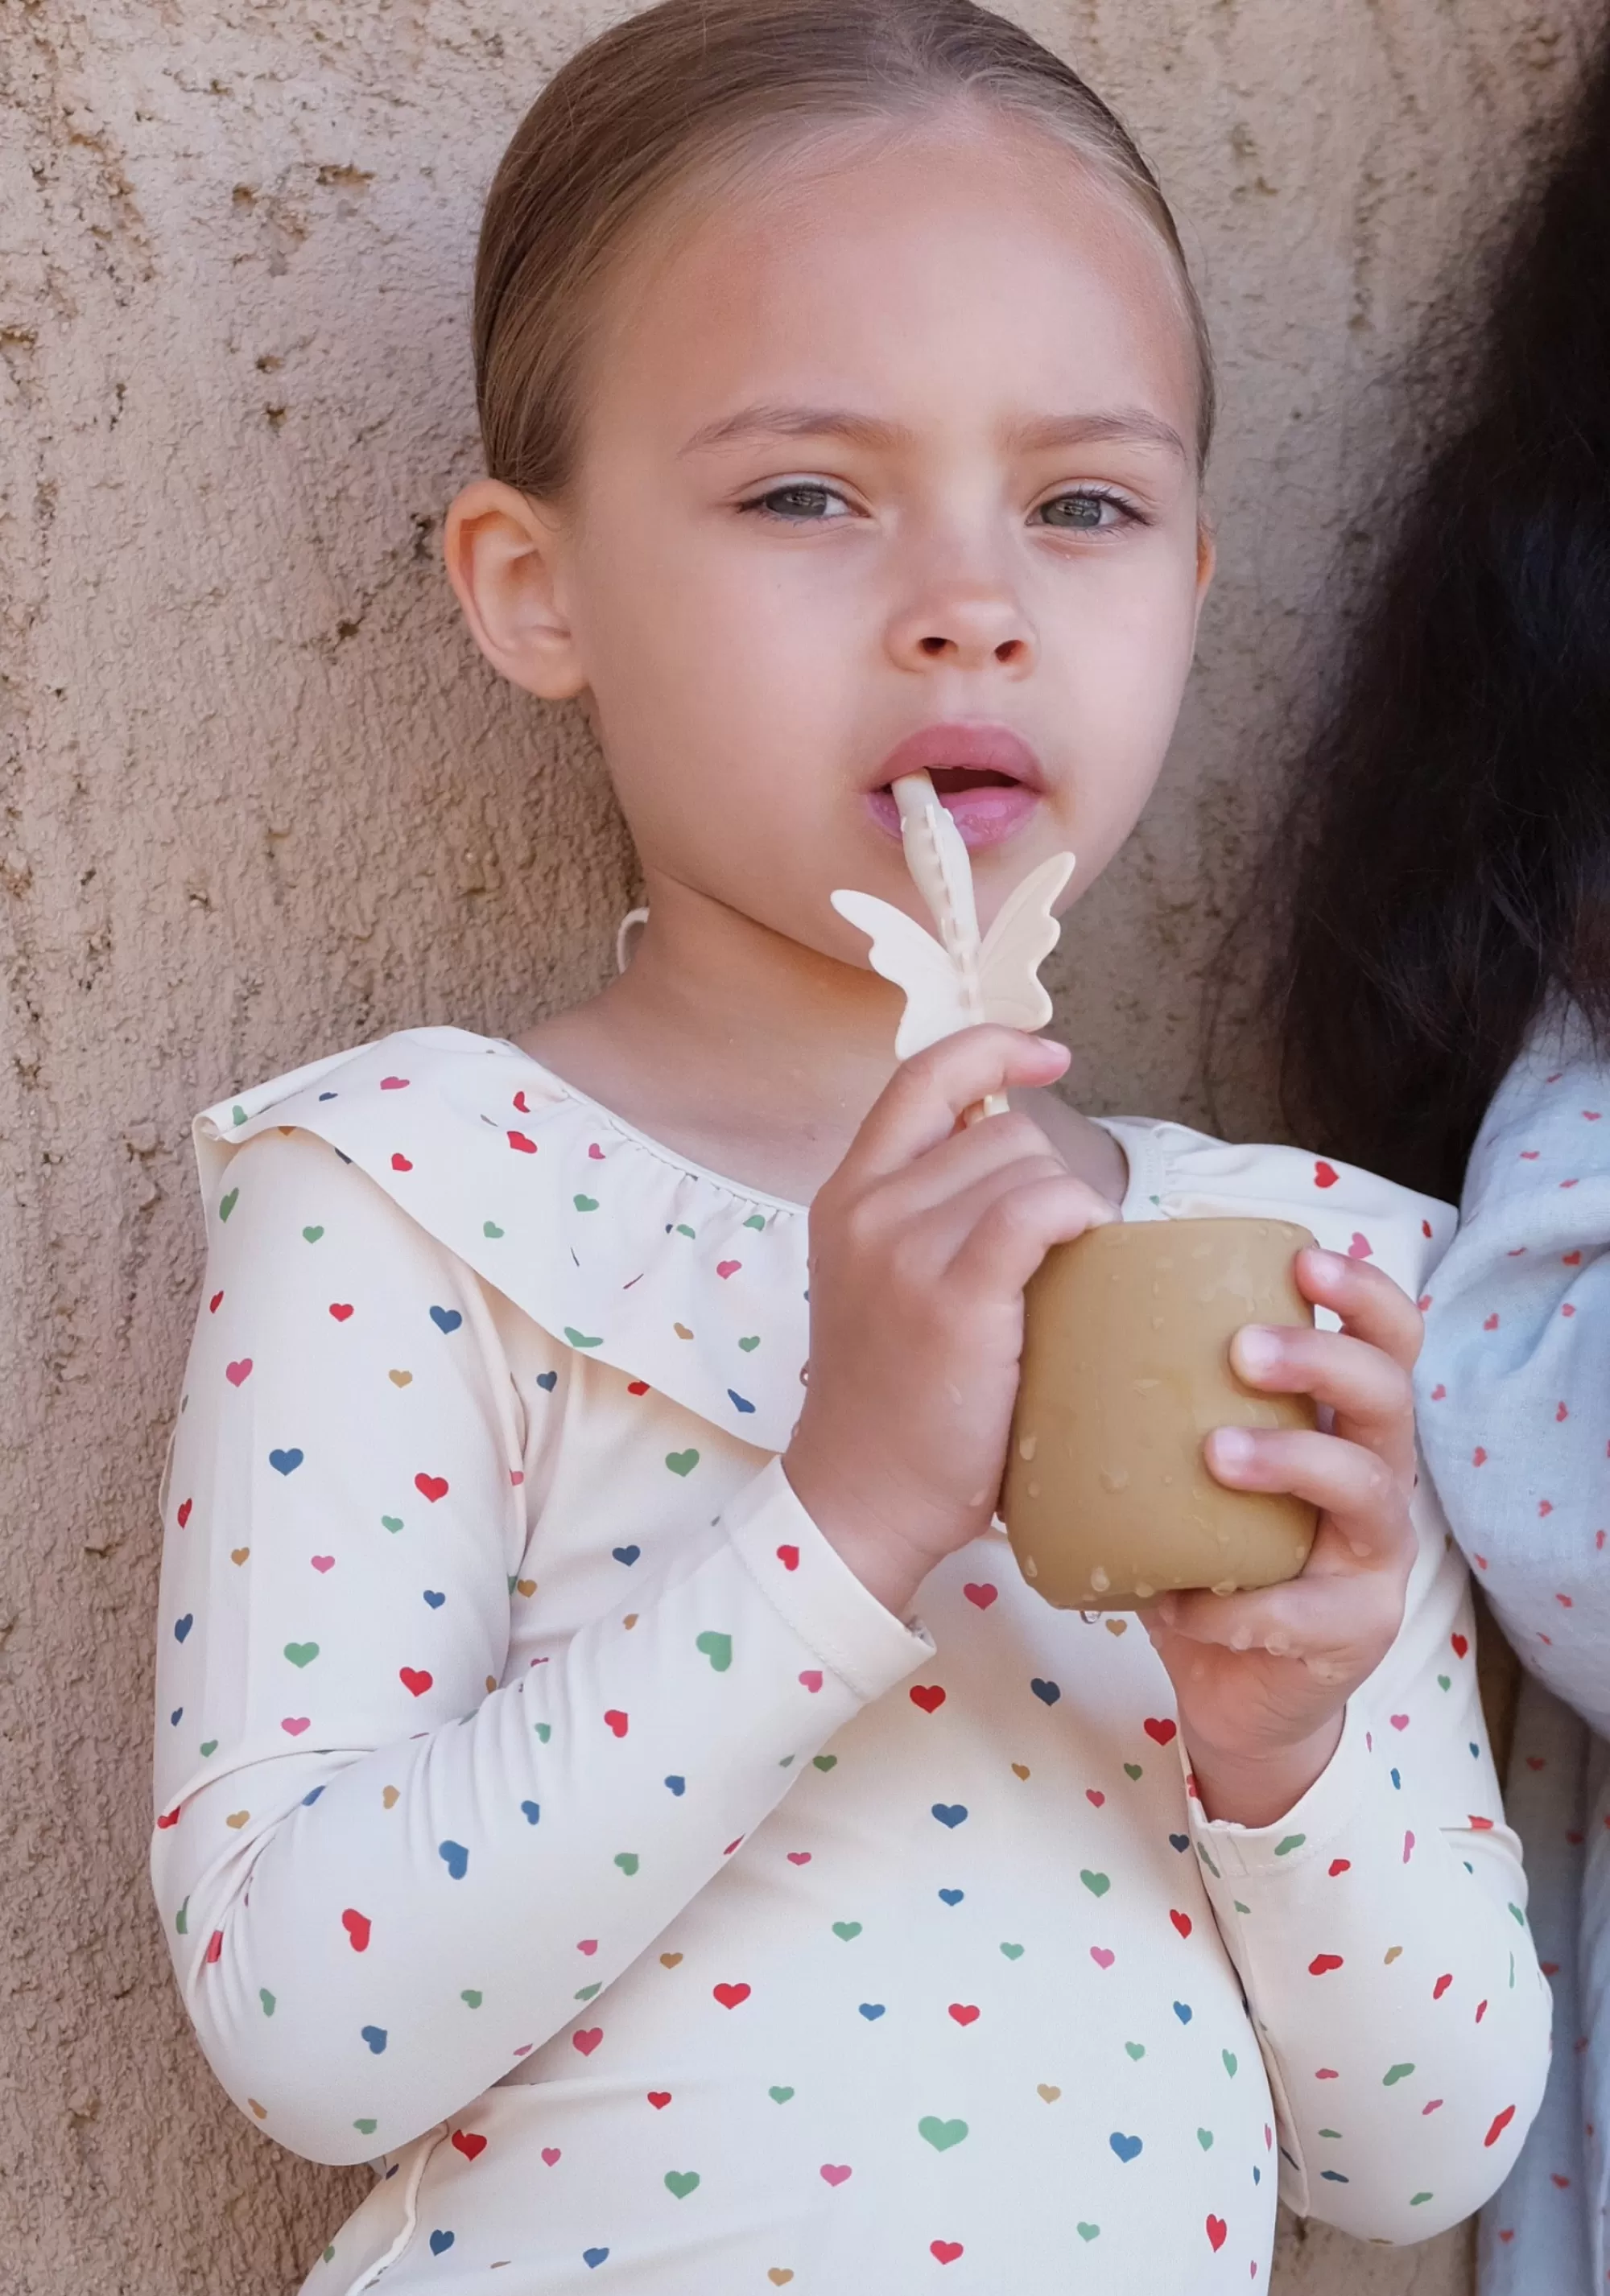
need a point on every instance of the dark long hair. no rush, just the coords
(1452, 816)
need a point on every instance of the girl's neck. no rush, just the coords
(749, 1053)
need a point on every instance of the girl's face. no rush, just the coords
(888, 463)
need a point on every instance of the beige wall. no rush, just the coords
(259, 801)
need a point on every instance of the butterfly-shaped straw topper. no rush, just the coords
(957, 980)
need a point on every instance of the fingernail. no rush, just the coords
(1233, 1447)
(1329, 1266)
(1258, 1347)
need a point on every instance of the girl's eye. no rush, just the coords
(805, 502)
(1085, 511)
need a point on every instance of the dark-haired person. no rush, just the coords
(1446, 1025)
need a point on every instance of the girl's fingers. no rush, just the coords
(1372, 1308)
(1356, 1488)
(1000, 1247)
(1370, 1391)
(923, 1100)
(948, 1172)
(1320, 1620)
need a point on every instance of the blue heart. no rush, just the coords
(872, 2011)
(1257, 2176)
(455, 1856)
(949, 1813)
(376, 2035)
(1334, 2176)
(1126, 2147)
(1179, 1840)
(329, 1095)
(173, 1716)
(309, 1799)
(952, 1897)
(1048, 1693)
(736, 1400)
(677, 1785)
(434, 1599)
(440, 2242)
(181, 1626)
(547, 1380)
(594, 2256)
(626, 1554)
(1182, 2010)
(446, 1319)
(533, 1811)
(285, 1463)
(1475, 1749)
(345, 1158)
(1396, 1778)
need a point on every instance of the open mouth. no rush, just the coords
(986, 777)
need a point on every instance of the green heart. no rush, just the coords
(1228, 2056)
(545, 1731)
(237, 1114)
(1204, 2137)
(471, 1997)
(682, 1229)
(787, 1762)
(1012, 1952)
(1135, 2049)
(1098, 1885)
(755, 1220)
(1334, 2134)
(208, 1746)
(680, 2182)
(1240, 1908)
(313, 1234)
(301, 1653)
(587, 1991)
(589, 1204)
(366, 2127)
(682, 1463)
(329, 2255)
(1291, 1842)
(580, 1339)
(181, 1920)
(513, 1578)
(1132, 1770)
(228, 1203)
(628, 1861)
(1395, 2073)
(391, 1522)
(267, 1998)
(826, 1762)
(1416, 2199)
(717, 1648)
(779, 2095)
(1089, 2232)
(490, 1230)
(847, 1930)
(1444, 1682)
(940, 2133)
(749, 1346)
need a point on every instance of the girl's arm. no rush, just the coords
(1514, 1380)
(373, 1863)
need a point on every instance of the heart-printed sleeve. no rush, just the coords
(372, 1857)
(1380, 1933)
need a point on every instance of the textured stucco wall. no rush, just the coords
(260, 802)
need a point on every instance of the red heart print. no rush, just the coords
(1441, 1988)
(399, 1163)
(832, 2173)
(587, 2040)
(1492, 1323)
(414, 1680)
(928, 1696)
(725, 1267)
(1339, 1866)
(1182, 1922)
(964, 2012)
(1500, 2123)
(1325, 1175)
(172, 1818)
(1438, 1393)
(616, 1720)
(520, 1102)
(357, 1926)
(215, 1303)
(1426, 1230)
(799, 1856)
(238, 1374)
(526, 1147)
(1460, 1645)
(470, 2146)
(730, 1996)
(294, 1724)
(979, 1596)
(789, 1557)
(1560, 1412)
(946, 2250)
(341, 1309)
(1478, 1458)
(1161, 1732)
(550, 2153)
(1218, 2233)
(813, 1678)
(322, 1562)
(732, 1845)
(1530, 1155)
(1323, 1963)
(1481, 2012)
(397, 1083)
(1478, 1824)
(215, 1947)
(1102, 1956)
(659, 2098)
(432, 1487)
(1094, 1797)
(183, 1512)
(1360, 1248)
(636, 1386)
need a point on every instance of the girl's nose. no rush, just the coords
(968, 626)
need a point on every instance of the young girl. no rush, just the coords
(620, 1784)
(1456, 973)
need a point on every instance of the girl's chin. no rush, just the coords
(986, 817)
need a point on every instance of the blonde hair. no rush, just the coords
(647, 106)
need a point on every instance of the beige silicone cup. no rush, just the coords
(1126, 1368)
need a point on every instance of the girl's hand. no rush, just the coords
(1262, 1678)
(920, 1246)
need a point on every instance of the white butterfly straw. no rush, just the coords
(957, 981)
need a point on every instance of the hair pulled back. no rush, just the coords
(691, 85)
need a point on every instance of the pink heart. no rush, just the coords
(1325, 2073)
(587, 1944)
(1094, 1797)
(596, 1152)
(394, 1084)
(235, 1373)
(1102, 1958)
(550, 2153)
(1399, 1721)
(832, 2175)
(813, 1678)
(525, 2048)
(727, 1267)
(323, 1561)
(799, 1856)
(1360, 1248)
(296, 1723)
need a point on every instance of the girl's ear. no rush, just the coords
(502, 551)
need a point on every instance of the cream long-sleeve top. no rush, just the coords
(1515, 1387)
(546, 1815)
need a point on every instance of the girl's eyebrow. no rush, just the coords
(1124, 426)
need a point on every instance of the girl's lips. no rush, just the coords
(986, 776)
(986, 814)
